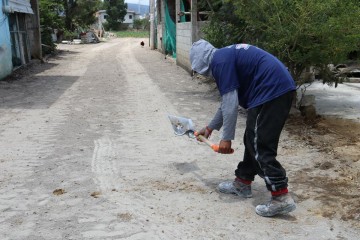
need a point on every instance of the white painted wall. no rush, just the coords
(129, 17)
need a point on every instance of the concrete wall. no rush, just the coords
(184, 42)
(5, 47)
(101, 16)
(183, 45)
(186, 32)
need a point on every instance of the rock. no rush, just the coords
(295, 112)
(59, 191)
(307, 100)
(309, 112)
(353, 72)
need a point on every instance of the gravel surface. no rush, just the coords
(87, 152)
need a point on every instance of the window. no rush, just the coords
(130, 16)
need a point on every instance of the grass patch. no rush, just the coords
(132, 34)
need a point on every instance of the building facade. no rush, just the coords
(20, 39)
(130, 17)
(176, 25)
(5, 44)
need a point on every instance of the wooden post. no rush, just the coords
(152, 24)
(36, 51)
(177, 10)
(194, 21)
(163, 26)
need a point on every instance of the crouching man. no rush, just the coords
(257, 81)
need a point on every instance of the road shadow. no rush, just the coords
(60, 54)
(33, 92)
(23, 89)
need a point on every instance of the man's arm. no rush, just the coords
(217, 121)
(229, 109)
(226, 117)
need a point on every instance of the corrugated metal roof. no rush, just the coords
(22, 6)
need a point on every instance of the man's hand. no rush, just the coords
(206, 132)
(225, 147)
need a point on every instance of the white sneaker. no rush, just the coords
(236, 187)
(281, 204)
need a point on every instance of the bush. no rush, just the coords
(69, 36)
(302, 34)
(48, 46)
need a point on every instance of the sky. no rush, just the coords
(142, 2)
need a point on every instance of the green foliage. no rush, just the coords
(68, 35)
(106, 26)
(47, 44)
(68, 14)
(116, 10)
(301, 33)
(120, 26)
(225, 28)
(146, 24)
(50, 19)
(137, 24)
(85, 12)
(50, 11)
(80, 13)
(132, 34)
(142, 24)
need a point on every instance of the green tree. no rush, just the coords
(80, 13)
(224, 27)
(116, 10)
(146, 23)
(85, 12)
(50, 18)
(142, 24)
(137, 24)
(50, 13)
(301, 33)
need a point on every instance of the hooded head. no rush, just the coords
(201, 54)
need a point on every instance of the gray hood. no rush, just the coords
(201, 54)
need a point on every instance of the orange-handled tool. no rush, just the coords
(208, 142)
(184, 126)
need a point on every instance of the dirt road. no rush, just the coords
(87, 152)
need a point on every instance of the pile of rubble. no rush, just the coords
(86, 37)
(351, 72)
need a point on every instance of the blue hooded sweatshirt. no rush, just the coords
(257, 75)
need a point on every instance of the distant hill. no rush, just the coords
(144, 9)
